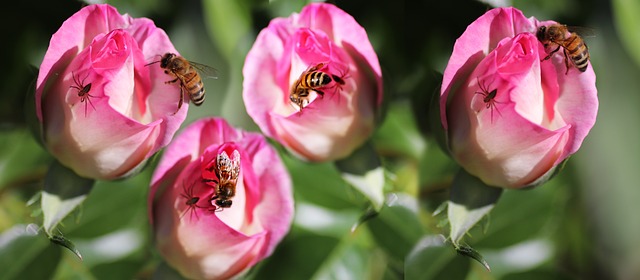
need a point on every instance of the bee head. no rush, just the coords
(166, 59)
(541, 33)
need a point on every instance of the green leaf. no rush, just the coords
(472, 253)
(364, 172)
(316, 256)
(22, 250)
(367, 215)
(112, 205)
(433, 258)
(62, 241)
(219, 15)
(165, 272)
(470, 201)
(118, 270)
(537, 210)
(24, 161)
(350, 259)
(307, 261)
(398, 134)
(627, 21)
(325, 221)
(397, 228)
(319, 183)
(63, 191)
(284, 8)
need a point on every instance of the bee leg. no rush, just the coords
(319, 92)
(551, 53)
(180, 101)
(566, 61)
(172, 81)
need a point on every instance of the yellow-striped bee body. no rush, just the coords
(575, 49)
(187, 74)
(312, 79)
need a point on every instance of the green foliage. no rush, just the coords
(375, 215)
(21, 159)
(432, 258)
(364, 172)
(470, 201)
(63, 192)
(22, 249)
(627, 22)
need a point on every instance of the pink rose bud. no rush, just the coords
(510, 115)
(220, 200)
(312, 81)
(103, 111)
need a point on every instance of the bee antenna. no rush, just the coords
(152, 63)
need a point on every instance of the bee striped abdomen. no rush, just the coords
(579, 54)
(194, 86)
(198, 98)
(186, 73)
(316, 79)
(575, 49)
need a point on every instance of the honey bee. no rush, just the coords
(575, 49)
(489, 98)
(187, 73)
(83, 91)
(227, 170)
(312, 79)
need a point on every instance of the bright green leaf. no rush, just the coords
(364, 172)
(63, 191)
(627, 22)
(535, 211)
(64, 242)
(219, 16)
(320, 183)
(324, 221)
(165, 272)
(472, 253)
(368, 214)
(398, 134)
(433, 258)
(397, 227)
(306, 261)
(351, 259)
(22, 250)
(25, 160)
(284, 8)
(112, 205)
(470, 201)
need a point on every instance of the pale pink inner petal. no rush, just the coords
(529, 98)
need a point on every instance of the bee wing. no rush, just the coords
(235, 164)
(584, 32)
(206, 71)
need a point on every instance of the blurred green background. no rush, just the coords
(580, 225)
